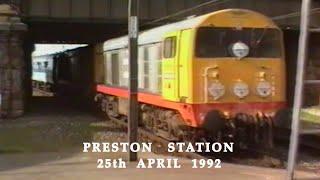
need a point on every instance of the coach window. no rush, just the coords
(46, 63)
(169, 48)
(39, 66)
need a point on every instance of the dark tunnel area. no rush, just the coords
(66, 75)
(71, 72)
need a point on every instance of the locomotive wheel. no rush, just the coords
(283, 118)
(213, 123)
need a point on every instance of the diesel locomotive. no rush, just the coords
(219, 75)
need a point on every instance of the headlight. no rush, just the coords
(264, 89)
(241, 89)
(216, 90)
(240, 49)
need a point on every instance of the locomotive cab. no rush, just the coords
(231, 61)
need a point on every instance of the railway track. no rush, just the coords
(39, 92)
(258, 156)
(306, 141)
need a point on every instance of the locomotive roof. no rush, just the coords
(156, 34)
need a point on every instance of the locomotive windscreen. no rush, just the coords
(216, 42)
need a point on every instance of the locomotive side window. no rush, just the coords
(217, 42)
(169, 49)
(115, 68)
(108, 65)
(146, 66)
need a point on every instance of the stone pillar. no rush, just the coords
(12, 67)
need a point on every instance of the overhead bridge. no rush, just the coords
(116, 10)
(66, 20)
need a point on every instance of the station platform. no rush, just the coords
(68, 165)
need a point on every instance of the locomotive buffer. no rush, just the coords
(300, 82)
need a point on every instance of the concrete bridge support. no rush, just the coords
(12, 64)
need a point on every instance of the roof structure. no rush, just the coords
(49, 49)
(156, 35)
